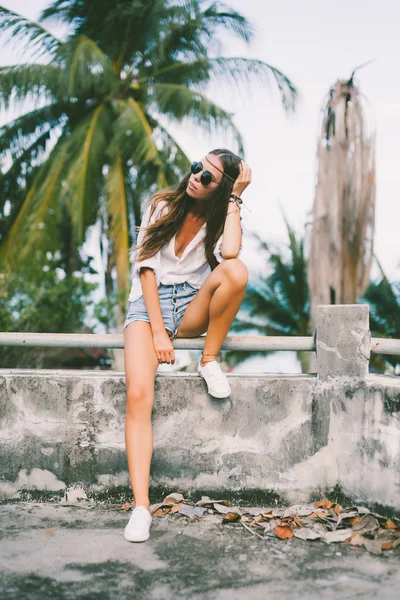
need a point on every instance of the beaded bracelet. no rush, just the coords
(238, 201)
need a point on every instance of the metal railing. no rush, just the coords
(110, 340)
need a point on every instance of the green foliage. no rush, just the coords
(383, 298)
(58, 304)
(277, 303)
(37, 40)
(95, 141)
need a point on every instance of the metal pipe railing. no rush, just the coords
(385, 346)
(115, 340)
(111, 340)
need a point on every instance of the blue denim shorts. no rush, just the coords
(174, 300)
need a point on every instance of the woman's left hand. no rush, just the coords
(243, 180)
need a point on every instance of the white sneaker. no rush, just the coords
(216, 380)
(137, 529)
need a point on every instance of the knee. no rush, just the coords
(139, 401)
(236, 272)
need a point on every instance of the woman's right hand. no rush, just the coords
(163, 347)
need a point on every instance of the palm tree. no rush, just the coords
(278, 303)
(341, 248)
(97, 137)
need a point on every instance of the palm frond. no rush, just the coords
(133, 136)
(179, 102)
(255, 75)
(22, 166)
(30, 82)
(87, 153)
(16, 135)
(37, 40)
(221, 16)
(238, 73)
(298, 267)
(87, 71)
(34, 227)
(178, 162)
(60, 10)
(191, 28)
(117, 209)
(262, 303)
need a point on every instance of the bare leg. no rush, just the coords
(140, 369)
(215, 306)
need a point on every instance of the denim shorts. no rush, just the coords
(174, 300)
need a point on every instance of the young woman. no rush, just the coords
(187, 280)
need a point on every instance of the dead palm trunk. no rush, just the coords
(341, 243)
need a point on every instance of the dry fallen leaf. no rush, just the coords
(325, 503)
(298, 510)
(390, 524)
(357, 540)
(366, 524)
(191, 511)
(283, 532)
(204, 501)
(387, 545)
(340, 535)
(126, 506)
(175, 498)
(225, 510)
(176, 508)
(307, 533)
(338, 509)
(373, 546)
(231, 517)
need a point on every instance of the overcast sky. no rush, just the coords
(314, 42)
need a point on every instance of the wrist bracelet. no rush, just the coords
(238, 201)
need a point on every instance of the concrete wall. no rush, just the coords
(296, 435)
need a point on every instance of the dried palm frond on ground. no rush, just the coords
(323, 520)
(343, 220)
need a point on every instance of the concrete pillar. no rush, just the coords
(343, 340)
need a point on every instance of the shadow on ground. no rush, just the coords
(57, 552)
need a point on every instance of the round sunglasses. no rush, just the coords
(206, 177)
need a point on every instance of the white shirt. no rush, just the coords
(192, 266)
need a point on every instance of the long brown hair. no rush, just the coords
(159, 233)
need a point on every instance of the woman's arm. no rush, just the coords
(232, 234)
(162, 342)
(151, 299)
(146, 271)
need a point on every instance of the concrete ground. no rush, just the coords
(48, 551)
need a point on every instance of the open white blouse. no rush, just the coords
(192, 266)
